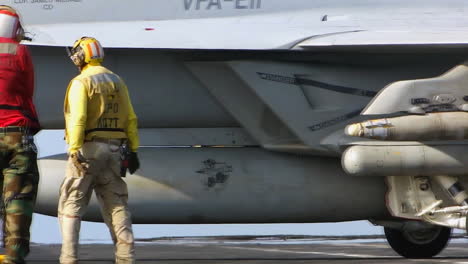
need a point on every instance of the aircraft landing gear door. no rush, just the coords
(413, 197)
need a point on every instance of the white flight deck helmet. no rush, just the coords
(10, 25)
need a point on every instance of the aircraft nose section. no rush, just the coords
(52, 171)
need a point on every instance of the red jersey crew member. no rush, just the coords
(19, 175)
(100, 122)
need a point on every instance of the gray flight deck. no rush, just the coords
(271, 250)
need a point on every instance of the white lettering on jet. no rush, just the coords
(216, 3)
(219, 4)
(41, 1)
(47, 4)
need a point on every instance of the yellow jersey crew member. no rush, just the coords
(101, 131)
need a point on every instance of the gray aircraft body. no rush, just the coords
(257, 111)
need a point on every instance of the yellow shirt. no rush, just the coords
(97, 104)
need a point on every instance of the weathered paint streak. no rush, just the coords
(216, 173)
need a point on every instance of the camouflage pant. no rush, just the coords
(19, 178)
(103, 176)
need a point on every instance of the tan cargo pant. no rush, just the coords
(103, 175)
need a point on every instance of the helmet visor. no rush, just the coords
(9, 24)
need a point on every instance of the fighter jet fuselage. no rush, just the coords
(243, 104)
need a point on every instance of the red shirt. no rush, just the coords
(16, 86)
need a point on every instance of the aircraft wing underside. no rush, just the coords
(232, 33)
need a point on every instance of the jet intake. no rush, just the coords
(398, 159)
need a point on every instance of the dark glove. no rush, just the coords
(79, 162)
(133, 162)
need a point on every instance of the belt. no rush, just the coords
(110, 141)
(12, 129)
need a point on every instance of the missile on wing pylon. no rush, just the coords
(398, 158)
(405, 160)
(434, 126)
